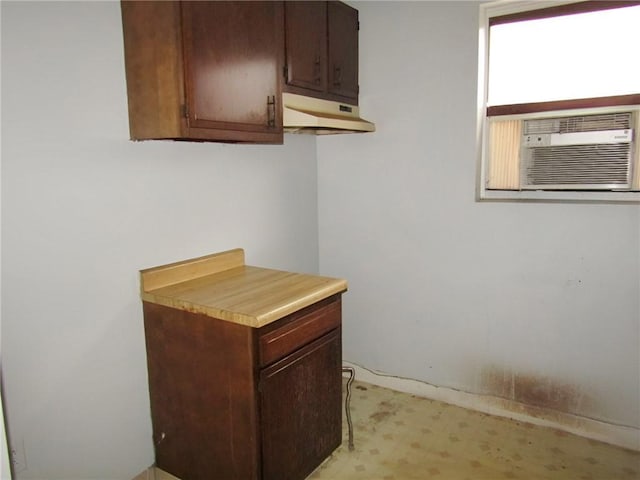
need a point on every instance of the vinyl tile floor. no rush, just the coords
(399, 436)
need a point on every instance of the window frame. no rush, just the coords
(508, 11)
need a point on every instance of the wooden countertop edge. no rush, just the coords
(178, 272)
(255, 321)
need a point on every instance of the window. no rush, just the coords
(560, 100)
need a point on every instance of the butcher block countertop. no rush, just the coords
(222, 286)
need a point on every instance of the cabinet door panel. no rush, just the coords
(305, 44)
(301, 409)
(232, 63)
(343, 50)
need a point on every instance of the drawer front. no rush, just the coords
(296, 333)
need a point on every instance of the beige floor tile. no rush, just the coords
(402, 437)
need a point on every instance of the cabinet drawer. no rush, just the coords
(301, 329)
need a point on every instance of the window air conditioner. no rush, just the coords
(584, 152)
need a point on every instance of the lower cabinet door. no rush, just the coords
(301, 409)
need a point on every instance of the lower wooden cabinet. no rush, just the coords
(231, 402)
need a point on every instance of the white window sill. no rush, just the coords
(557, 196)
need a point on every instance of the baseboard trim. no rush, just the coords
(621, 436)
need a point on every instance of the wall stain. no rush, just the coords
(532, 390)
(545, 392)
(497, 382)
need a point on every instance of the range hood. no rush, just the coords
(321, 117)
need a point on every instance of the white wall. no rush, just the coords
(533, 302)
(83, 209)
(441, 288)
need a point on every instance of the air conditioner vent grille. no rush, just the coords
(585, 165)
(578, 152)
(580, 123)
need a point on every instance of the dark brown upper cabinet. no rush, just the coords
(208, 71)
(321, 50)
(306, 45)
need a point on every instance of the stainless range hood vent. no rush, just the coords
(321, 117)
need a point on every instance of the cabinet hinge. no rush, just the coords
(185, 111)
(285, 72)
(358, 25)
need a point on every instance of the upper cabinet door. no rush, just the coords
(306, 44)
(321, 50)
(343, 50)
(232, 54)
(205, 71)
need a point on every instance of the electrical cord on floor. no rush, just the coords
(347, 401)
